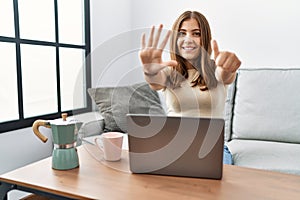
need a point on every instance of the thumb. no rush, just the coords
(215, 49)
(172, 63)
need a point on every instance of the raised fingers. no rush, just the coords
(215, 49)
(165, 40)
(150, 40)
(153, 41)
(157, 36)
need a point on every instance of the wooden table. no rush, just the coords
(93, 180)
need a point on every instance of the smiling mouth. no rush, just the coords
(188, 48)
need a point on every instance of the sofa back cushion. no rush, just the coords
(115, 103)
(265, 105)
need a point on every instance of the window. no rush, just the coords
(45, 67)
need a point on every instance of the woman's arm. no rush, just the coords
(156, 81)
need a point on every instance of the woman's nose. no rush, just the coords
(188, 38)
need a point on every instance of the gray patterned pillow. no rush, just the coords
(115, 103)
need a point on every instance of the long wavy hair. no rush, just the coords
(205, 66)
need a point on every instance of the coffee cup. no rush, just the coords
(110, 145)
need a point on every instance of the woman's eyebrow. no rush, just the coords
(197, 29)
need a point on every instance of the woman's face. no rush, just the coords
(189, 40)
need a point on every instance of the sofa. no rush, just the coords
(262, 119)
(262, 115)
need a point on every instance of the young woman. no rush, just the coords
(193, 83)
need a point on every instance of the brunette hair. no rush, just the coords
(205, 66)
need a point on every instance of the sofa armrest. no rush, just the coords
(93, 123)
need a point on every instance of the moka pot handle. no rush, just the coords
(35, 128)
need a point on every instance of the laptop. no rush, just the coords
(176, 146)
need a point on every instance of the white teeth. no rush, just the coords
(188, 48)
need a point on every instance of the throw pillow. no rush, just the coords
(115, 103)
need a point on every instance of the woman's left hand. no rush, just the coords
(228, 61)
(227, 64)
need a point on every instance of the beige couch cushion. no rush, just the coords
(266, 105)
(275, 156)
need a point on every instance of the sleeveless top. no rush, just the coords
(191, 101)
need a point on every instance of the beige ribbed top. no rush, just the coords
(191, 101)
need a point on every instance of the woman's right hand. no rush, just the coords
(151, 53)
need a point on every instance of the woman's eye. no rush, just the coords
(181, 34)
(198, 34)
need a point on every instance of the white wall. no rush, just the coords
(261, 33)
(21, 147)
(111, 43)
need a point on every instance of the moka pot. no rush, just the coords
(64, 133)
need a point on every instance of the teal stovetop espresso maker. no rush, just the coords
(64, 133)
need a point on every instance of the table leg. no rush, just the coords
(4, 189)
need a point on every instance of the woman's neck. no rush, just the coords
(190, 65)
